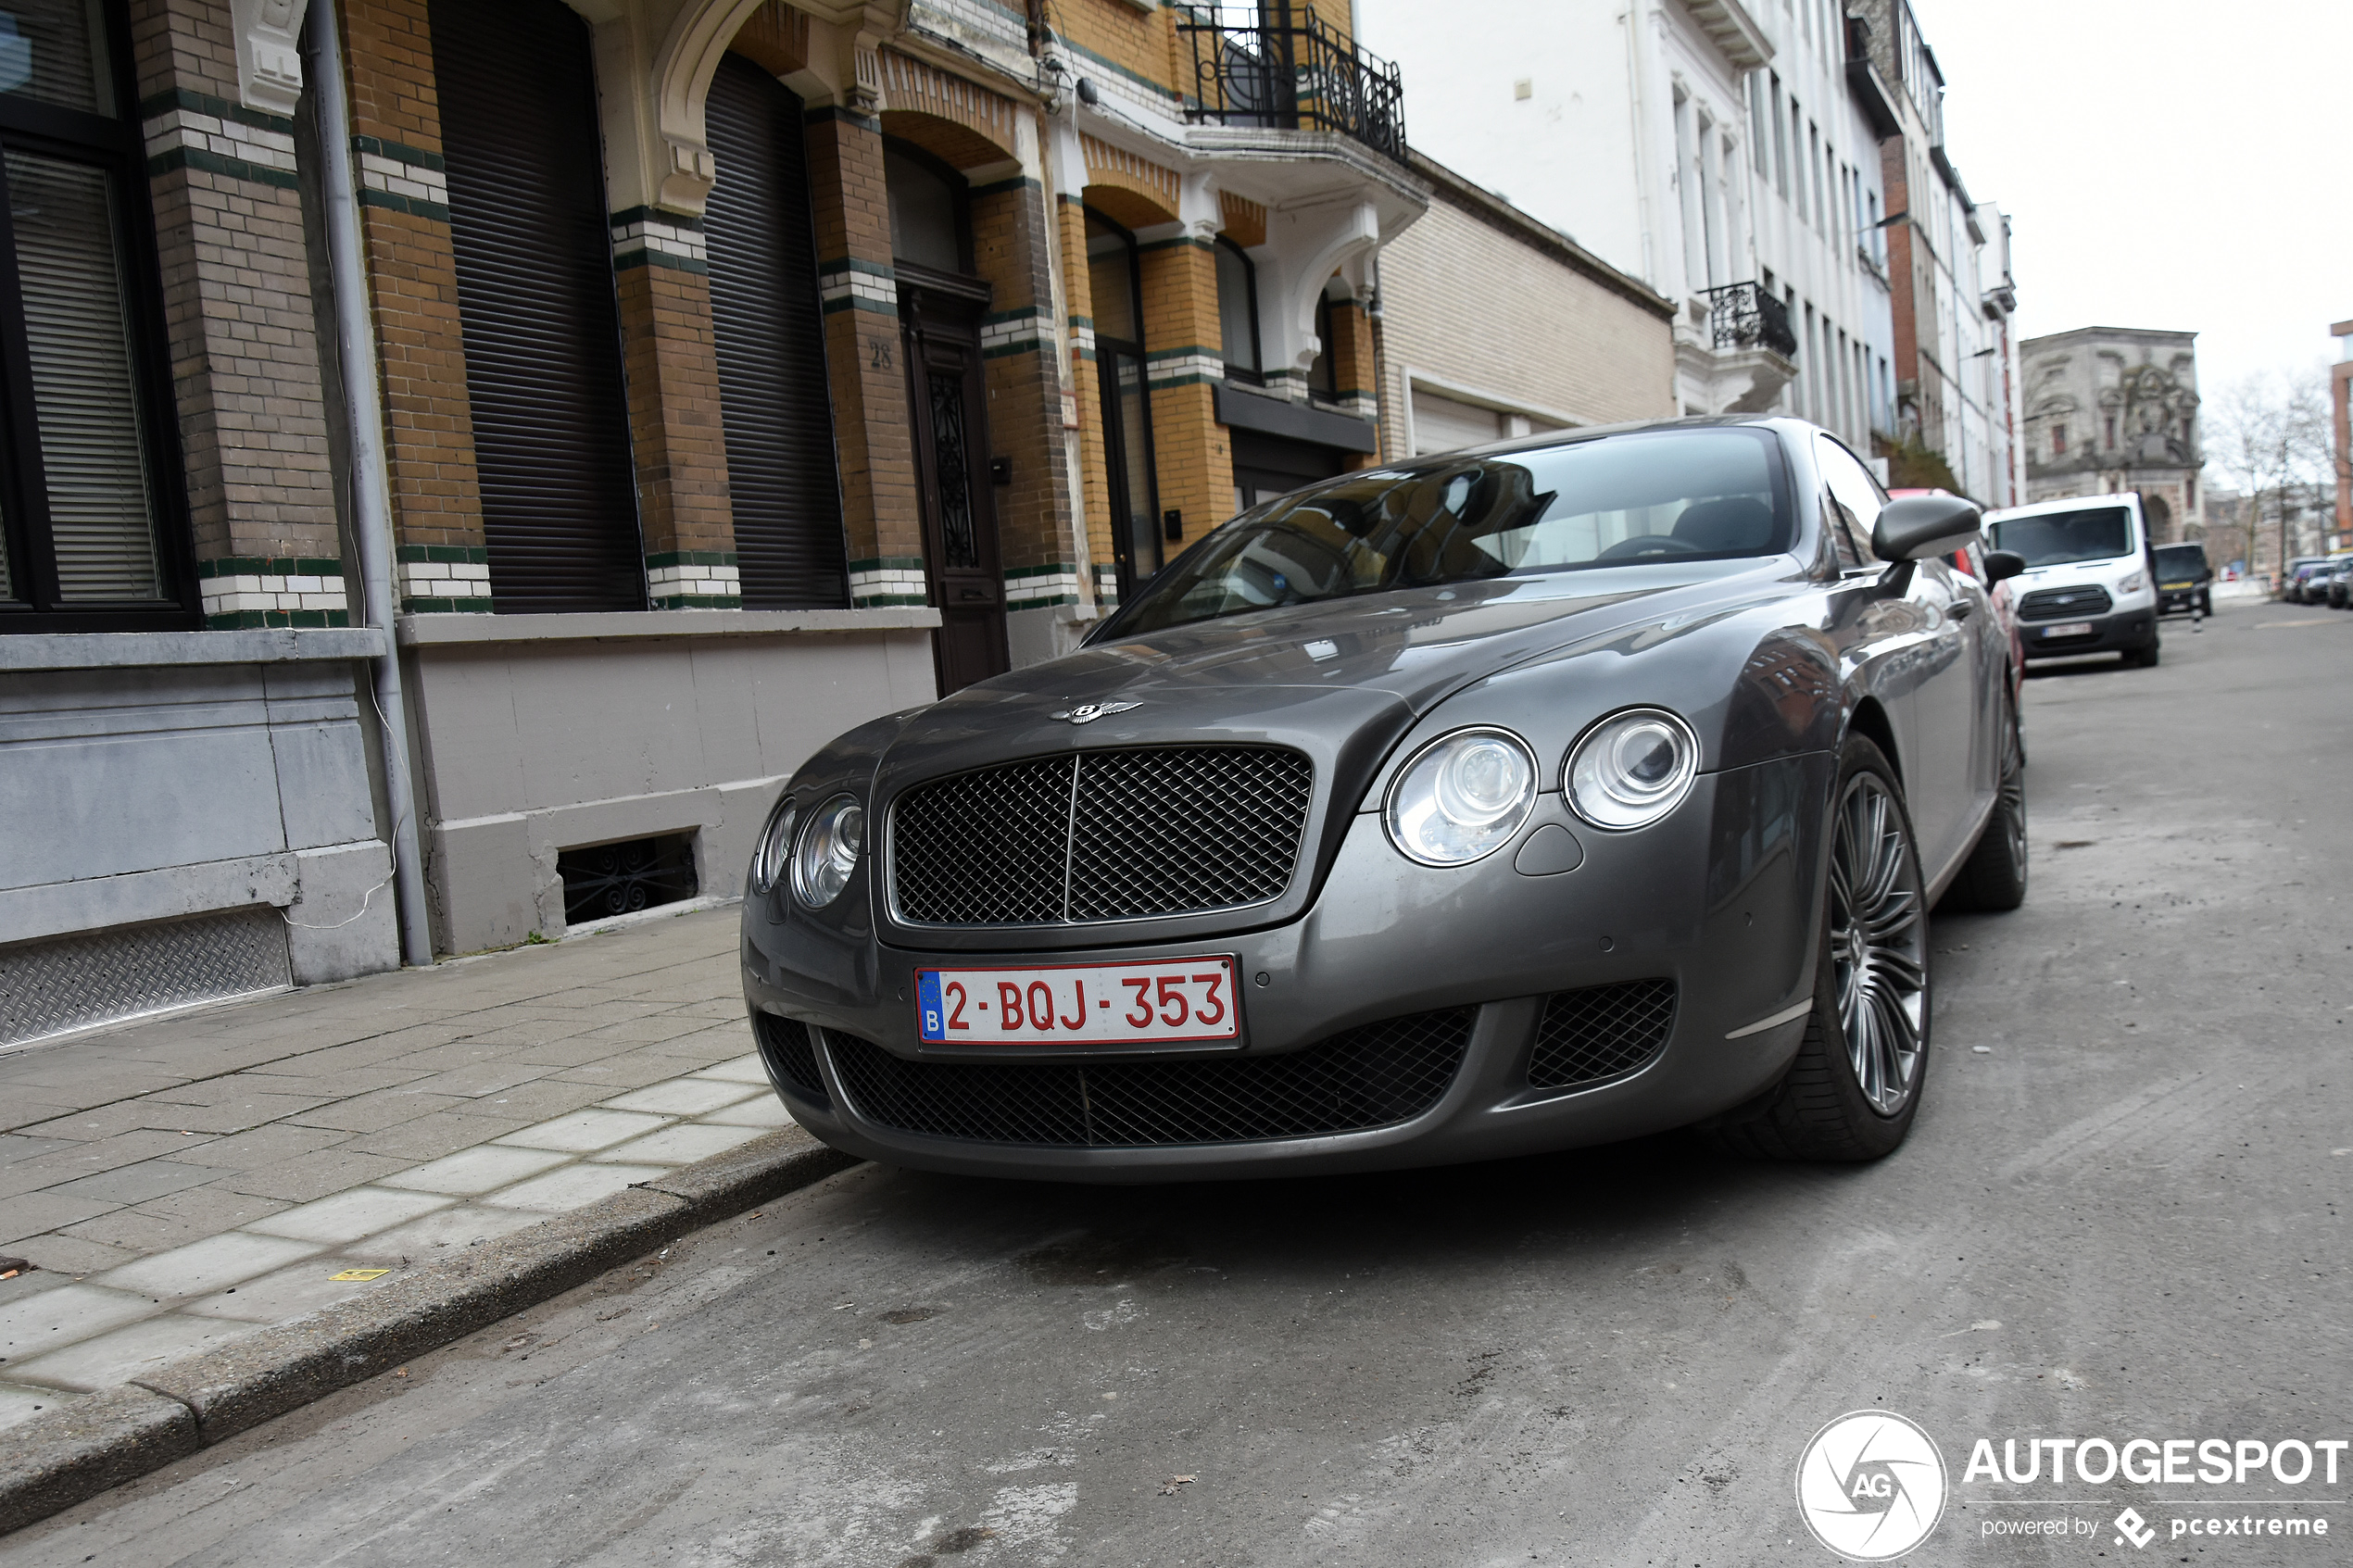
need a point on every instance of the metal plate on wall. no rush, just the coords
(67, 983)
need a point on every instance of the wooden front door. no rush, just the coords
(946, 404)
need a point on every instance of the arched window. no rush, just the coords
(534, 250)
(1237, 313)
(768, 335)
(929, 225)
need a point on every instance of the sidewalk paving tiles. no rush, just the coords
(184, 1181)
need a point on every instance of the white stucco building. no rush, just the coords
(1712, 150)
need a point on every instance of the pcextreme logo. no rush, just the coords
(1871, 1485)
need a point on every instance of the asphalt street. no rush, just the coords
(2121, 1214)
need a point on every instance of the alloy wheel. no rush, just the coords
(1879, 940)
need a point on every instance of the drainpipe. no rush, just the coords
(371, 483)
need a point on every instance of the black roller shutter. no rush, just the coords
(518, 91)
(771, 350)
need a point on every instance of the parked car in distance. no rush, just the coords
(1540, 794)
(2184, 580)
(2298, 571)
(2339, 579)
(2087, 586)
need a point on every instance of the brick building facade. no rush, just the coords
(728, 371)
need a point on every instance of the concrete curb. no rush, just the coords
(62, 1457)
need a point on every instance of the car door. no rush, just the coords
(1924, 665)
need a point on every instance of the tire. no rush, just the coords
(1837, 1102)
(2147, 658)
(1993, 878)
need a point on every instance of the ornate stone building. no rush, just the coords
(2115, 409)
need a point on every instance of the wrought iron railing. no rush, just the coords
(1279, 65)
(1744, 316)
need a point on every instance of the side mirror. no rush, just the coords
(2000, 564)
(1919, 526)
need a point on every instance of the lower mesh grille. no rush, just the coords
(1371, 1077)
(791, 1056)
(1601, 1031)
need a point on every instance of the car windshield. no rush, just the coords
(1636, 496)
(2177, 561)
(2053, 538)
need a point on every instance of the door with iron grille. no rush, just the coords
(947, 402)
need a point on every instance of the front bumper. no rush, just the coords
(2171, 601)
(2122, 631)
(1721, 899)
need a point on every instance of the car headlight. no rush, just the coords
(1461, 797)
(1631, 769)
(774, 844)
(829, 847)
(2133, 584)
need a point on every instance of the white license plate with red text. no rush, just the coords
(1165, 1000)
(2072, 629)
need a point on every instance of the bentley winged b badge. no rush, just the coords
(1088, 712)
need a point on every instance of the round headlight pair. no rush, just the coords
(1466, 795)
(820, 859)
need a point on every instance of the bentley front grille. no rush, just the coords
(1600, 1033)
(1376, 1076)
(2064, 604)
(1101, 835)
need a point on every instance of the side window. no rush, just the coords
(1857, 495)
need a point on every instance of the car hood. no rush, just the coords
(1354, 671)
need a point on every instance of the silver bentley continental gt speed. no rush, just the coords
(1556, 792)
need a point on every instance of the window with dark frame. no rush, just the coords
(1115, 296)
(92, 518)
(1323, 378)
(1237, 314)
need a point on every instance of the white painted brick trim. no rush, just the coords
(860, 286)
(229, 596)
(1029, 593)
(702, 582)
(227, 138)
(1208, 366)
(443, 580)
(665, 239)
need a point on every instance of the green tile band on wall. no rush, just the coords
(270, 566)
(470, 555)
(251, 620)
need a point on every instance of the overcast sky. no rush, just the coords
(2165, 164)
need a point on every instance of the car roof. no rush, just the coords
(2066, 504)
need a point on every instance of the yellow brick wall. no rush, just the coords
(1192, 455)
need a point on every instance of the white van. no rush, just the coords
(2090, 584)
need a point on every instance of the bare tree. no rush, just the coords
(2269, 434)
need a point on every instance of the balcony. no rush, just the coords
(1743, 316)
(1279, 67)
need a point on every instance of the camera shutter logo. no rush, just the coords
(1871, 1485)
